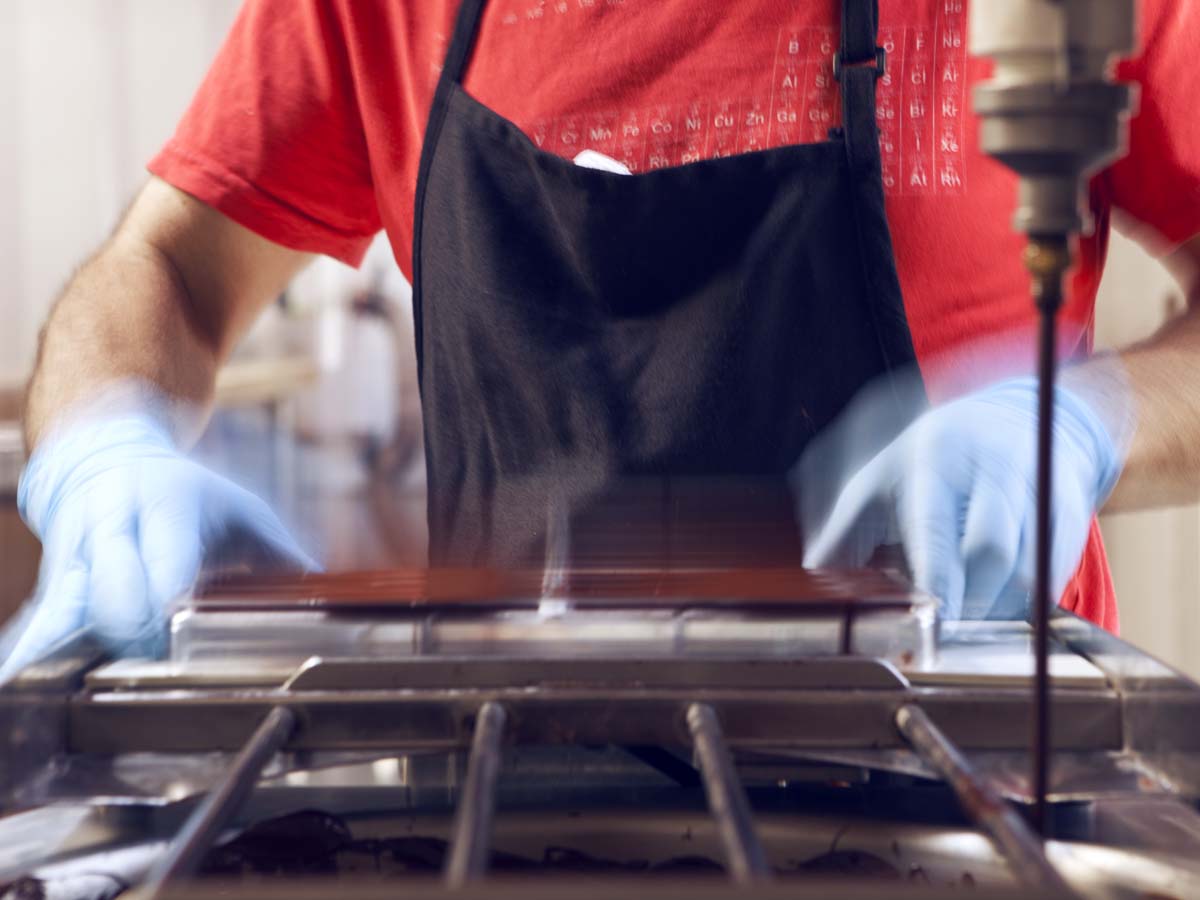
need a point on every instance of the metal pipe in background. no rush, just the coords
(1003, 824)
(1054, 114)
(205, 823)
(727, 798)
(470, 846)
(557, 561)
(1047, 260)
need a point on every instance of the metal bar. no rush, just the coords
(596, 886)
(1047, 260)
(471, 844)
(61, 668)
(185, 721)
(1003, 824)
(204, 825)
(727, 798)
(556, 565)
(809, 673)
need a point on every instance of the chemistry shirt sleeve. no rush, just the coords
(274, 139)
(1157, 185)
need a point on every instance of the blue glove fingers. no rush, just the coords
(929, 521)
(121, 611)
(991, 544)
(12, 635)
(1070, 526)
(255, 516)
(1071, 523)
(170, 545)
(859, 520)
(58, 612)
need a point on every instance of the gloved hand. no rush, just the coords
(957, 488)
(125, 520)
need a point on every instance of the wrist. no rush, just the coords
(1099, 438)
(123, 423)
(1107, 449)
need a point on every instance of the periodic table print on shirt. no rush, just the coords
(921, 102)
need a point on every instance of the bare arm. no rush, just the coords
(164, 300)
(1163, 467)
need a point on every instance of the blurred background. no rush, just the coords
(318, 411)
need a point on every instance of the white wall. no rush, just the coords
(88, 92)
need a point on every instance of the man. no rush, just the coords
(581, 331)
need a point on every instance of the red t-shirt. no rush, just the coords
(308, 130)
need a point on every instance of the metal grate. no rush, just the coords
(843, 701)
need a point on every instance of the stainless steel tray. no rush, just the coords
(609, 613)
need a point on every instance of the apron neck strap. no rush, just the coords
(860, 26)
(462, 41)
(857, 66)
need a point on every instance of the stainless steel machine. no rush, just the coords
(709, 732)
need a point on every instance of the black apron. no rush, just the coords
(642, 358)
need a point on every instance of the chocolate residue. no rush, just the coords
(316, 843)
(852, 863)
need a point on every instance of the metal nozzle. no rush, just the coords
(1051, 111)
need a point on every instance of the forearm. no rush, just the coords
(163, 302)
(125, 315)
(1163, 377)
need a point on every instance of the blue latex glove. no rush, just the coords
(957, 488)
(125, 520)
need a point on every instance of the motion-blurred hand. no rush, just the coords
(957, 488)
(125, 521)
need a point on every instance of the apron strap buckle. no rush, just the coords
(880, 64)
